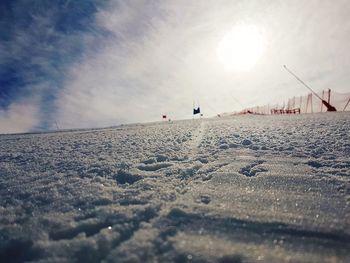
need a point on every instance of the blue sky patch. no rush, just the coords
(39, 40)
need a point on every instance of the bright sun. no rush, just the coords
(241, 48)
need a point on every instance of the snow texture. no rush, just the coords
(240, 189)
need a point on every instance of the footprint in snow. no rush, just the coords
(252, 169)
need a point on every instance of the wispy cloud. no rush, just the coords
(38, 41)
(162, 56)
(20, 116)
(131, 61)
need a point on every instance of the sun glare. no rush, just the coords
(241, 48)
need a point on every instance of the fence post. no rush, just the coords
(312, 110)
(294, 102)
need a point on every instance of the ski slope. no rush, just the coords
(240, 189)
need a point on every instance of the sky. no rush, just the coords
(83, 64)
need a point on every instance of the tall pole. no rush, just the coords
(329, 106)
(302, 82)
(346, 104)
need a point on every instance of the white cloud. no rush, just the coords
(20, 116)
(162, 57)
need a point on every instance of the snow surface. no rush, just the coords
(241, 189)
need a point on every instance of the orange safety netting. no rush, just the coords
(305, 104)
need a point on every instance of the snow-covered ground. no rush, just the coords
(241, 189)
